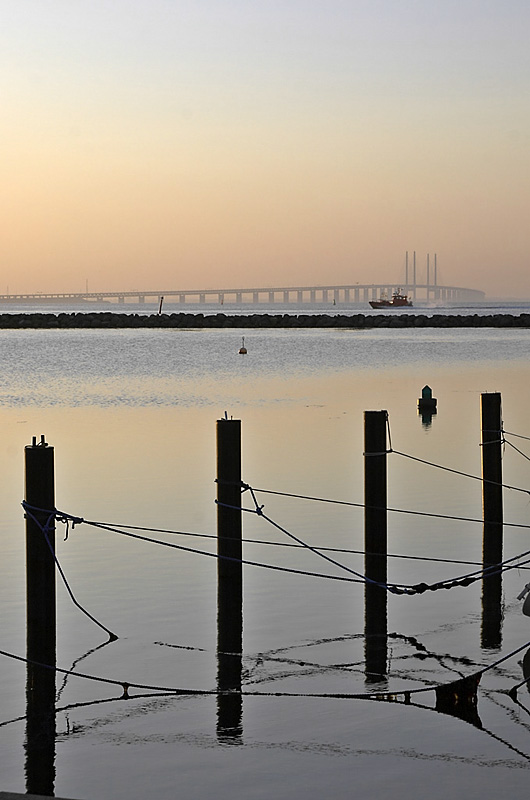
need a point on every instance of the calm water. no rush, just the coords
(132, 417)
(420, 307)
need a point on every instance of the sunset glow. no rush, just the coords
(171, 145)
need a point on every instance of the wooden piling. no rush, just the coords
(491, 420)
(492, 507)
(229, 578)
(375, 494)
(40, 549)
(229, 525)
(40, 618)
(375, 542)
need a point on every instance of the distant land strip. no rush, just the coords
(181, 320)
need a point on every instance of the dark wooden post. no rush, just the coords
(229, 578)
(375, 542)
(491, 423)
(492, 477)
(40, 618)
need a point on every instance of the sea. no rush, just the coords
(132, 417)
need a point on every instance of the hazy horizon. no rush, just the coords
(223, 144)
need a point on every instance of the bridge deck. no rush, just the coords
(337, 293)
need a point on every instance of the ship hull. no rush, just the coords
(390, 304)
(398, 300)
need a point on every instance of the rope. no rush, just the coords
(419, 588)
(458, 472)
(185, 549)
(391, 509)
(517, 450)
(393, 588)
(517, 435)
(66, 518)
(267, 543)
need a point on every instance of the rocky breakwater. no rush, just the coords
(181, 320)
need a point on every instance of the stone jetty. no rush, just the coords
(182, 320)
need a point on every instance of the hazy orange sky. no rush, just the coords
(161, 144)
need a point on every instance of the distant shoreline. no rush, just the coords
(396, 319)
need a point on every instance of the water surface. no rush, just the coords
(132, 417)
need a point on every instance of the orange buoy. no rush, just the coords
(243, 349)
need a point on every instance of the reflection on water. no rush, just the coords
(492, 612)
(132, 419)
(40, 731)
(459, 699)
(136, 368)
(526, 668)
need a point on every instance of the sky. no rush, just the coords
(162, 144)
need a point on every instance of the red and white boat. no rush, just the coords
(399, 300)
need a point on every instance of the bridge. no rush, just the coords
(336, 294)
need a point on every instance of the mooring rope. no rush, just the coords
(394, 588)
(324, 548)
(517, 435)
(517, 450)
(46, 528)
(112, 529)
(449, 517)
(459, 472)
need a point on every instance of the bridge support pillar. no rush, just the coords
(286, 297)
(300, 297)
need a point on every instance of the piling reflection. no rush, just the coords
(492, 612)
(229, 666)
(40, 731)
(376, 634)
(229, 704)
(459, 699)
(526, 669)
